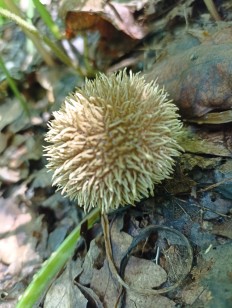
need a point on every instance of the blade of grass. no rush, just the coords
(13, 12)
(14, 88)
(27, 27)
(54, 264)
(61, 55)
(20, 21)
(47, 19)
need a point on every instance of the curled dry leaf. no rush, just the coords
(63, 292)
(199, 79)
(115, 23)
(98, 15)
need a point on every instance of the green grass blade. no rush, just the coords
(21, 22)
(47, 19)
(54, 264)
(14, 88)
(40, 37)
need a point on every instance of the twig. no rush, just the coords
(212, 9)
(150, 229)
(210, 187)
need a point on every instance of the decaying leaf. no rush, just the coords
(14, 161)
(93, 259)
(212, 279)
(18, 241)
(63, 293)
(12, 109)
(213, 118)
(139, 272)
(207, 142)
(144, 273)
(198, 79)
(196, 295)
(98, 15)
(135, 300)
(92, 297)
(114, 22)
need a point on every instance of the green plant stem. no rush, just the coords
(60, 54)
(30, 31)
(54, 264)
(90, 71)
(14, 88)
(20, 21)
(47, 19)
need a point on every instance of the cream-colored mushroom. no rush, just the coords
(112, 141)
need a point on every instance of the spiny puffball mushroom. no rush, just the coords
(112, 140)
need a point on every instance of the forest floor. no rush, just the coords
(187, 47)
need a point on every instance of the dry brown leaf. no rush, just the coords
(198, 79)
(8, 175)
(92, 258)
(18, 241)
(92, 297)
(63, 293)
(97, 15)
(195, 293)
(104, 286)
(142, 273)
(115, 23)
(107, 290)
(14, 160)
(9, 112)
(135, 300)
(4, 137)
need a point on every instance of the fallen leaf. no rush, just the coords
(4, 137)
(63, 292)
(94, 15)
(114, 22)
(138, 300)
(8, 175)
(144, 273)
(18, 243)
(223, 175)
(93, 259)
(9, 112)
(198, 79)
(104, 286)
(92, 297)
(212, 286)
(107, 289)
(201, 141)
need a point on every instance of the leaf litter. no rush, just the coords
(197, 202)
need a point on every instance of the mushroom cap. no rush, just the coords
(112, 141)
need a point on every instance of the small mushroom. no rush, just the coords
(112, 141)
